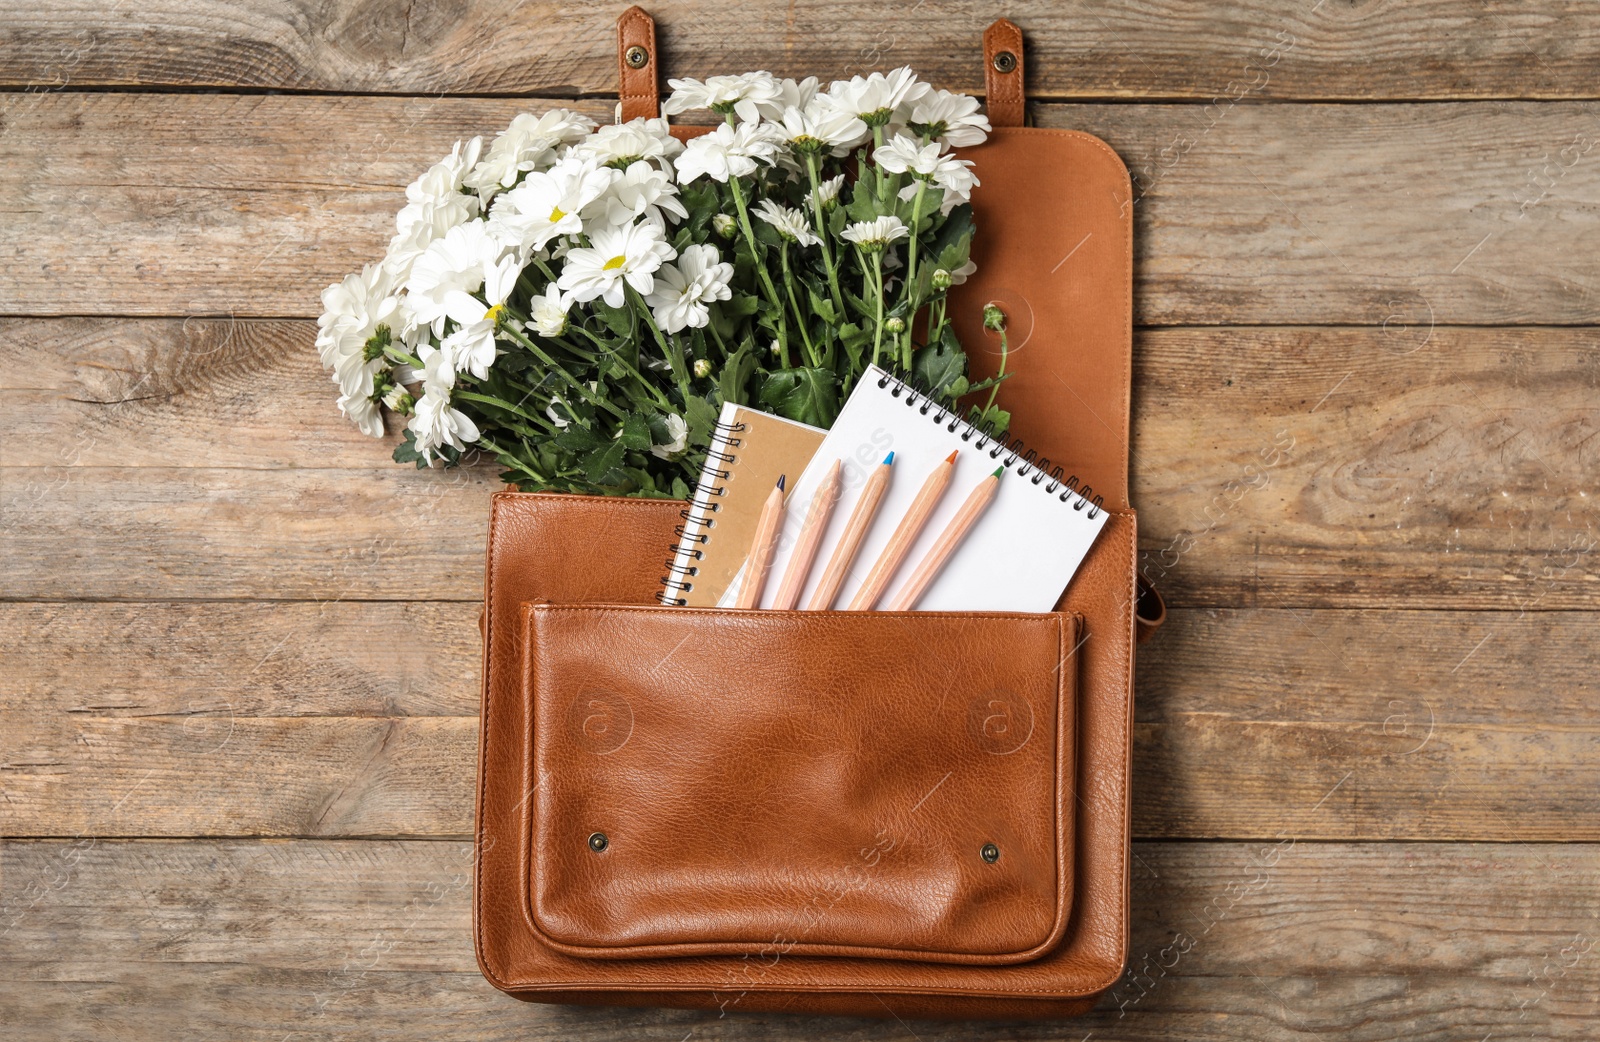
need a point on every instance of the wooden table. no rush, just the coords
(239, 649)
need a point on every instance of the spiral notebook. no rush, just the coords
(748, 451)
(1020, 555)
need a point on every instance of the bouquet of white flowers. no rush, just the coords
(579, 301)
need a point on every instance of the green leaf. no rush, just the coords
(406, 451)
(578, 438)
(701, 417)
(734, 381)
(636, 432)
(741, 305)
(808, 395)
(599, 466)
(619, 320)
(939, 365)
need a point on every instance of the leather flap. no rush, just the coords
(881, 785)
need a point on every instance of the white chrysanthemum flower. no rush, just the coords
(455, 263)
(928, 163)
(362, 411)
(619, 256)
(822, 128)
(792, 94)
(959, 275)
(828, 190)
(550, 203)
(727, 152)
(743, 95)
(623, 144)
(436, 423)
(643, 190)
(684, 290)
(677, 438)
(877, 233)
(435, 200)
(471, 346)
(547, 311)
(530, 142)
(878, 97)
(354, 311)
(951, 118)
(902, 153)
(791, 224)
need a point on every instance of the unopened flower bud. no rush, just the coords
(702, 368)
(942, 280)
(993, 317)
(723, 225)
(894, 325)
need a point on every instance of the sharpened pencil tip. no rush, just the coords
(952, 457)
(889, 458)
(780, 481)
(998, 471)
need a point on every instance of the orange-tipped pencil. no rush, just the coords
(844, 555)
(905, 534)
(931, 564)
(805, 548)
(761, 547)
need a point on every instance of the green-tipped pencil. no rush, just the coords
(929, 567)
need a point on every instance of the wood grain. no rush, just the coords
(315, 720)
(1230, 942)
(1265, 462)
(1430, 49)
(1278, 214)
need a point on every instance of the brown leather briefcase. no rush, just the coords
(922, 814)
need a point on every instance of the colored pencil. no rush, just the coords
(855, 530)
(934, 560)
(761, 547)
(805, 548)
(905, 534)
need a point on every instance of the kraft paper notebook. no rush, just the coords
(1018, 557)
(748, 452)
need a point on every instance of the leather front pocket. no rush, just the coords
(872, 784)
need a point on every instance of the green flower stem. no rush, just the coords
(721, 344)
(800, 320)
(627, 367)
(1001, 374)
(400, 356)
(877, 328)
(512, 460)
(761, 269)
(910, 281)
(583, 389)
(813, 170)
(497, 403)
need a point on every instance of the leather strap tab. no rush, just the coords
(1002, 73)
(636, 66)
(1149, 613)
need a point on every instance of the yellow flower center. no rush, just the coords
(556, 213)
(614, 263)
(494, 313)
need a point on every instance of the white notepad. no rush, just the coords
(1018, 557)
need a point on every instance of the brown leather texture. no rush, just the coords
(1054, 250)
(638, 89)
(823, 783)
(1004, 102)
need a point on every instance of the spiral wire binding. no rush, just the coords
(675, 581)
(1026, 461)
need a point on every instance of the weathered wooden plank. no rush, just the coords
(1318, 724)
(1432, 49)
(1270, 466)
(372, 939)
(1365, 214)
(207, 663)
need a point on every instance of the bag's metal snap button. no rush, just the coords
(990, 853)
(598, 842)
(637, 57)
(1004, 62)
